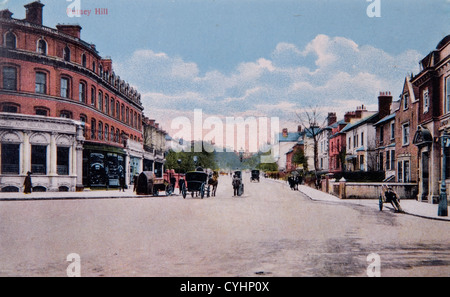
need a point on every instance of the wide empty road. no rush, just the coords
(270, 231)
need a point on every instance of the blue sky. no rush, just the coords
(257, 57)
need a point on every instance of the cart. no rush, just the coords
(389, 196)
(255, 176)
(149, 184)
(196, 184)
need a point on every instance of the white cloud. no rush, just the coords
(334, 73)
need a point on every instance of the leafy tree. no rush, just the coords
(299, 158)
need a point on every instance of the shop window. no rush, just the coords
(10, 158)
(39, 159)
(63, 154)
(9, 78)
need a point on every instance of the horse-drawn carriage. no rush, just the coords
(149, 184)
(197, 183)
(255, 175)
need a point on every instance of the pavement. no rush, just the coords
(410, 207)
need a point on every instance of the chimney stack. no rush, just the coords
(384, 104)
(34, 12)
(332, 118)
(72, 30)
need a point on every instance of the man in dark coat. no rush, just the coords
(27, 184)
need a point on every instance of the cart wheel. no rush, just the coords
(202, 191)
(169, 190)
(183, 191)
(381, 203)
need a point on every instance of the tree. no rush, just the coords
(299, 158)
(310, 119)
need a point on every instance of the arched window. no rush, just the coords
(82, 92)
(93, 126)
(65, 87)
(127, 115)
(122, 113)
(117, 135)
(112, 107)
(106, 132)
(83, 60)
(100, 130)
(112, 134)
(106, 104)
(94, 68)
(93, 96)
(66, 54)
(41, 83)
(10, 40)
(118, 110)
(66, 114)
(100, 100)
(42, 47)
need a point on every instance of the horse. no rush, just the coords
(214, 181)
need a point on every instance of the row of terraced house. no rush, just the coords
(402, 139)
(65, 115)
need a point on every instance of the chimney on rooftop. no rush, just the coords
(34, 12)
(384, 104)
(72, 30)
(332, 118)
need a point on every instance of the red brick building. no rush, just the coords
(51, 73)
(433, 87)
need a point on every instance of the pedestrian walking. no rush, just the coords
(27, 184)
(122, 183)
(236, 183)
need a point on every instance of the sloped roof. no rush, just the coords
(368, 120)
(385, 119)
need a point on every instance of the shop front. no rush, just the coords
(103, 166)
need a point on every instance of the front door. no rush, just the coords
(425, 175)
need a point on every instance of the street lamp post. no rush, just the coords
(443, 204)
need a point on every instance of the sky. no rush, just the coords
(263, 58)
